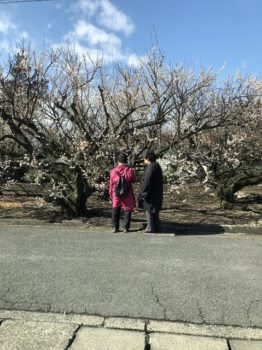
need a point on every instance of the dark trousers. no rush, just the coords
(153, 222)
(116, 212)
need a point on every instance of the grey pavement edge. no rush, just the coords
(174, 229)
(21, 330)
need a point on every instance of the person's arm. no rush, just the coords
(130, 175)
(111, 185)
(146, 186)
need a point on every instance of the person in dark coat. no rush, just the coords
(151, 192)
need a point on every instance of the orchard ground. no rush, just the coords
(191, 206)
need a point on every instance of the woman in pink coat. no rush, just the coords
(128, 202)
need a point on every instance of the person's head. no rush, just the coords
(122, 158)
(150, 157)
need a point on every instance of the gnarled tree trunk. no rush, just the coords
(227, 189)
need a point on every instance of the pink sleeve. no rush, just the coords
(111, 184)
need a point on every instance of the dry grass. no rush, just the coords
(15, 204)
(190, 206)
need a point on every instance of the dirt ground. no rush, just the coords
(191, 206)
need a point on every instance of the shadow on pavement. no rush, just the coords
(191, 228)
(166, 226)
(184, 228)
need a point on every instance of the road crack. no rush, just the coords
(200, 313)
(156, 297)
(250, 309)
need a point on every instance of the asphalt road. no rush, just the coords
(211, 279)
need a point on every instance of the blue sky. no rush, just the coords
(218, 33)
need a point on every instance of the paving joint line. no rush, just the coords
(149, 326)
(147, 336)
(228, 344)
(104, 321)
(72, 338)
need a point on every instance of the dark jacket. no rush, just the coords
(151, 189)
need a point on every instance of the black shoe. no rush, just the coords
(115, 230)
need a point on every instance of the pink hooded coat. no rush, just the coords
(128, 203)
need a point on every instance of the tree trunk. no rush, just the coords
(225, 196)
(82, 193)
(75, 203)
(226, 191)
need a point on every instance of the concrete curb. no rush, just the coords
(132, 324)
(86, 320)
(175, 230)
(36, 222)
(251, 229)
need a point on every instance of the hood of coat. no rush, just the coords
(120, 168)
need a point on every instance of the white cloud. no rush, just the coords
(94, 35)
(96, 31)
(103, 54)
(5, 45)
(89, 7)
(106, 14)
(5, 23)
(134, 60)
(114, 19)
(11, 33)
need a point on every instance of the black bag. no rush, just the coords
(121, 188)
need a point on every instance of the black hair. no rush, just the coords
(122, 158)
(150, 156)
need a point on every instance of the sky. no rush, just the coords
(224, 34)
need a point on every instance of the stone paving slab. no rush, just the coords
(24, 330)
(20, 335)
(108, 339)
(160, 341)
(245, 345)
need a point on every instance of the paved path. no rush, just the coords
(206, 279)
(172, 292)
